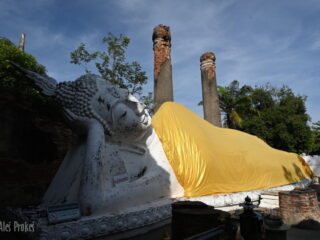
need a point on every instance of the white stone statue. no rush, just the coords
(118, 161)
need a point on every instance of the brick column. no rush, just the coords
(163, 88)
(209, 89)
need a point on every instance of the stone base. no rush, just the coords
(132, 222)
(129, 223)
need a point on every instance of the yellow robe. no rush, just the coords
(209, 160)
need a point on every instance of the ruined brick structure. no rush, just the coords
(163, 88)
(209, 89)
(299, 205)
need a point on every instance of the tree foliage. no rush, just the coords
(315, 150)
(276, 115)
(113, 67)
(283, 120)
(233, 102)
(10, 77)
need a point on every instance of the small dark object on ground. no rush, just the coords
(192, 218)
(309, 224)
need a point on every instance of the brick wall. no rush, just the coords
(299, 205)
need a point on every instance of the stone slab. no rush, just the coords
(63, 212)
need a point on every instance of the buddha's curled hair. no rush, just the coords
(76, 96)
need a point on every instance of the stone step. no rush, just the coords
(269, 205)
(269, 199)
(269, 202)
(270, 195)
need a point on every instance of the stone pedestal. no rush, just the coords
(163, 87)
(209, 89)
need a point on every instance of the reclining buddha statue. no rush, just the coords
(118, 161)
(123, 160)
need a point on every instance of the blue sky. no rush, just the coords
(255, 41)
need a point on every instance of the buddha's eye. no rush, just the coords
(124, 114)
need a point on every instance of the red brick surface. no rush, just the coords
(298, 205)
(161, 46)
(211, 67)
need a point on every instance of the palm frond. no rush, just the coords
(236, 118)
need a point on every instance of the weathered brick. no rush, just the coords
(298, 205)
(163, 87)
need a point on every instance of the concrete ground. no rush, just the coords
(300, 234)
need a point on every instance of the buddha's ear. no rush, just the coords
(46, 84)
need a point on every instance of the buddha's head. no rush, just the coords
(130, 118)
(121, 114)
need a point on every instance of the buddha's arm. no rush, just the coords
(149, 188)
(93, 177)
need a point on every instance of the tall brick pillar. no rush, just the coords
(209, 89)
(163, 88)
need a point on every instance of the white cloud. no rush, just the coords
(254, 51)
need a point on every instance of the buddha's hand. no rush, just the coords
(82, 122)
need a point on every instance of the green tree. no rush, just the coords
(276, 115)
(282, 121)
(10, 77)
(315, 138)
(148, 101)
(113, 67)
(235, 102)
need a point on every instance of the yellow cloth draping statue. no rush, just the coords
(209, 160)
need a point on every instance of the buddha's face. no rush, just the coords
(124, 114)
(130, 119)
